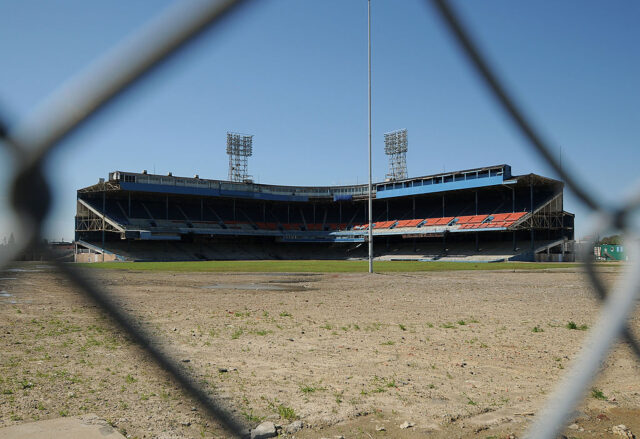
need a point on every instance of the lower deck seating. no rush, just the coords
(493, 221)
(154, 216)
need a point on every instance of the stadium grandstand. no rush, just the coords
(482, 214)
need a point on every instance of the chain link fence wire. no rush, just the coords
(83, 98)
(31, 141)
(619, 303)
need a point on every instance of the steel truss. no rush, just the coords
(548, 216)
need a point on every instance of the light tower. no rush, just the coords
(395, 146)
(239, 148)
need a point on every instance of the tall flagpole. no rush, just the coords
(370, 183)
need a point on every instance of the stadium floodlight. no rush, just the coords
(395, 146)
(239, 148)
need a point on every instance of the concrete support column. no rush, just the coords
(104, 210)
(476, 202)
(531, 211)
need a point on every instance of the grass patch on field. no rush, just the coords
(574, 325)
(598, 394)
(317, 266)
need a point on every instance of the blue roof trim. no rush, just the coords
(183, 190)
(440, 187)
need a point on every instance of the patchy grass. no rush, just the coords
(314, 266)
(598, 394)
(537, 328)
(469, 400)
(574, 325)
(287, 413)
(310, 389)
(249, 416)
(381, 384)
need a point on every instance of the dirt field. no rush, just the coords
(459, 354)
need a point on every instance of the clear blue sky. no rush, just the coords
(294, 74)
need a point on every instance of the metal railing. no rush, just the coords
(31, 142)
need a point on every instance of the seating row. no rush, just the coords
(497, 220)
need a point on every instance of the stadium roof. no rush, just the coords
(442, 182)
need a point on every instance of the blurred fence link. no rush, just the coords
(31, 141)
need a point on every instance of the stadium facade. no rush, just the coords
(481, 214)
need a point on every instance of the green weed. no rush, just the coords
(598, 394)
(287, 413)
(574, 325)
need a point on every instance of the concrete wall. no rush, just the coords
(94, 257)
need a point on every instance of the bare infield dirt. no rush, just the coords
(458, 354)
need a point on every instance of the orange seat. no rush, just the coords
(442, 221)
(464, 219)
(408, 223)
(516, 216)
(500, 216)
(383, 224)
(267, 226)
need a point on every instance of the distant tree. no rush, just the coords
(611, 240)
(12, 240)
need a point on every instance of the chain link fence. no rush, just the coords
(31, 141)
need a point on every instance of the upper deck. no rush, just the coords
(468, 179)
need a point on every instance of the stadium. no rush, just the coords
(250, 313)
(484, 214)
